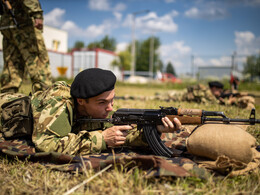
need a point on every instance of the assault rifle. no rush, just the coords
(5, 4)
(149, 118)
(227, 95)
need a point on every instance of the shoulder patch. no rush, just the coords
(61, 126)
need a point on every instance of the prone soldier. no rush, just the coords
(56, 110)
(213, 93)
(225, 97)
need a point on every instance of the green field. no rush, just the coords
(24, 177)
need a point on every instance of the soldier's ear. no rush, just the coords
(80, 101)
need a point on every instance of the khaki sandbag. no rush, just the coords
(214, 140)
(247, 102)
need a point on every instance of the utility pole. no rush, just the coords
(151, 56)
(192, 66)
(233, 61)
(133, 40)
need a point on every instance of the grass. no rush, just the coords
(25, 177)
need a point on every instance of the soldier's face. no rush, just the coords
(216, 91)
(98, 106)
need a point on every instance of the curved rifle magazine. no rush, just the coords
(154, 141)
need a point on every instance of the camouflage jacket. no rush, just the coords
(55, 129)
(24, 11)
(199, 93)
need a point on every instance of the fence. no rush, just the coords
(78, 60)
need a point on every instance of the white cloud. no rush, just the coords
(175, 49)
(152, 23)
(207, 12)
(104, 5)
(200, 62)
(247, 43)
(178, 53)
(119, 7)
(222, 61)
(118, 16)
(192, 12)
(96, 30)
(91, 31)
(121, 46)
(54, 17)
(71, 27)
(101, 5)
(174, 13)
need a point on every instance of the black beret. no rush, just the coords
(92, 82)
(216, 84)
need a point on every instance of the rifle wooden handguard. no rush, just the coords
(190, 112)
(186, 119)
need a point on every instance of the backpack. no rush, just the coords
(16, 118)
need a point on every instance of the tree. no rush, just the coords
(143, 53)
(170, 69)
(106, 43)
(79, 45)
(94, 45)
(124, 61)
(252, 66)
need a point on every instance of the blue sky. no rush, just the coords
(209, 30)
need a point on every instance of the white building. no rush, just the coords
(214, 72)
(56, 42)
(96, 58)
(55, 39)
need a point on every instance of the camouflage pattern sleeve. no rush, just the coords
(33, 7)
(53, 120)
(136, 138)
(246, 102)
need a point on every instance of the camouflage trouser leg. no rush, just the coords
(39, 65)
(11, 78)
(29, 44)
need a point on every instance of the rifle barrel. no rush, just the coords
(232, 120)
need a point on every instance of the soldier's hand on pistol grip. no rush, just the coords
(116, 135)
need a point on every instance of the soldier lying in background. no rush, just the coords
(242, 100)
(200, 93)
